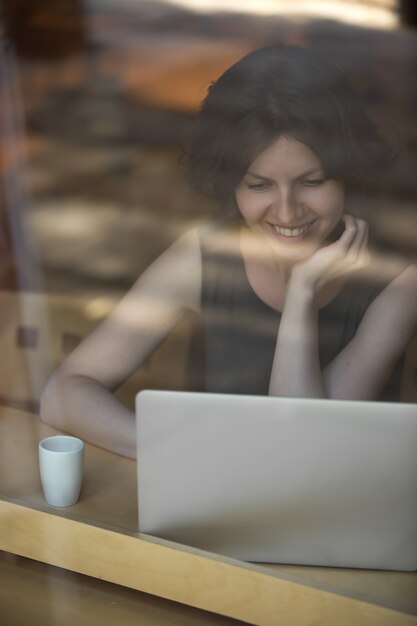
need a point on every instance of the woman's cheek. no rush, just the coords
(252, 204)
(336, 195)
(325, 200)
(313, 197)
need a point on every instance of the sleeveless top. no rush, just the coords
(240, 330)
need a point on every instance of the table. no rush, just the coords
(98, 537)
(43, 595)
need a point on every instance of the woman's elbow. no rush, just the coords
(51, 402)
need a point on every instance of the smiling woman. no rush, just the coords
(292, 298)
(283, 92)
(286, 197)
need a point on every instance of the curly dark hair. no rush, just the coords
(281, 91)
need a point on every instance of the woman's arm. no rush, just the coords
(363, 367)
(296, 368)
(78, 397)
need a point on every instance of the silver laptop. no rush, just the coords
(281, 480)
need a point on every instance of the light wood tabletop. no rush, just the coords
(43, 595)
(98, 537)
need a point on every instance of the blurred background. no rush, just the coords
(96, 97)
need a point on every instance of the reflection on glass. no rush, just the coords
(110, 95)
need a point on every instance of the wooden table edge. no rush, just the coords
(185, 575)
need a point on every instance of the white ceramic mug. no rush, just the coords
(61, 465)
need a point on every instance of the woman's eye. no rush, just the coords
(313, 182)
(258, 186)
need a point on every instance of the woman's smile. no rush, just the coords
(286, 197)
(292, 233)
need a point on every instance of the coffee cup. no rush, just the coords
(61, 466)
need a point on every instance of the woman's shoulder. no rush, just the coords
(404, 284)
(183, 256)
(380, 280)
(181, 248)
(219, 237)
(392, 284)
(174, 276)
(385, 270)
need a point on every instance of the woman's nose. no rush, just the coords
(285, 207)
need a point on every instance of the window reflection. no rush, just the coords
(97, 98)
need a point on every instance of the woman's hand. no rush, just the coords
(296, 365)
(346, 255)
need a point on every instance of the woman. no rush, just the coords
(290, 299)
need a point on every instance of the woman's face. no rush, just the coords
(285, 198)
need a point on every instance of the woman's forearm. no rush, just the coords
(296, 366)
(83, 407)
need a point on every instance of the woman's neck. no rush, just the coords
(269, 274)
(256, 250)
(266, 274)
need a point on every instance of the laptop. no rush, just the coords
(280, 480)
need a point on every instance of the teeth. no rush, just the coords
(291, 232)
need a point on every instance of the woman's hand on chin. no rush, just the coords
(346, 255)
